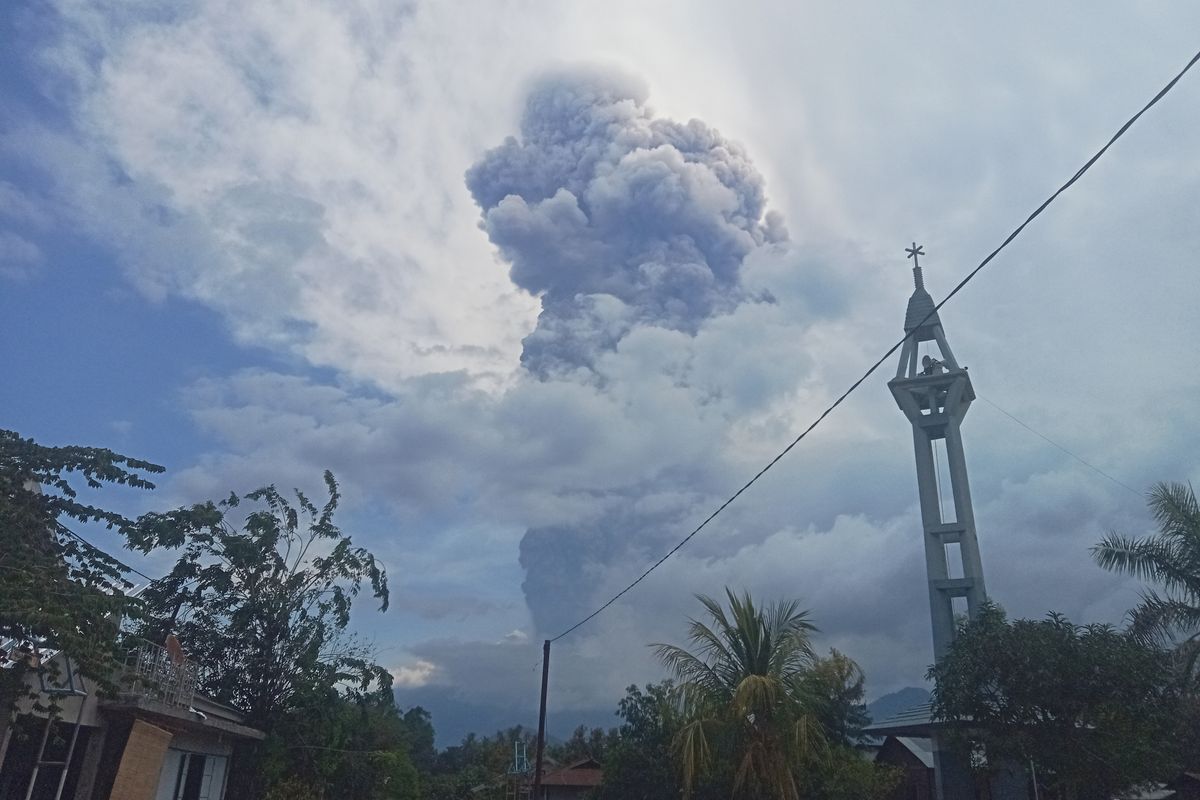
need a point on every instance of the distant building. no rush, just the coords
(571, 782)
(913, 755)
(158, 739)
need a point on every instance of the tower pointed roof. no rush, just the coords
(920, 305)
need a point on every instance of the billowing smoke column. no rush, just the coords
(616, 218)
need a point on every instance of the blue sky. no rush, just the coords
(543, 283)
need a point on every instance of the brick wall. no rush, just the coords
(141, 762)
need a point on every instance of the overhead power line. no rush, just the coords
(110, 556)
(1053, 443)
(871, 370)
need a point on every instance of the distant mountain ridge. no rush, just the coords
(891, 704)
(454, 718)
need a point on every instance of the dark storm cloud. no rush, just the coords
(617, 218)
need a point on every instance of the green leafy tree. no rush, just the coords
(1093, 708)
(1170, 558)
(743, 697)
(477, 767)
(640, 764)
(845, 775)
(340, 746)
(584, 742)
(835, 689)
(265, 607)
(56, 592)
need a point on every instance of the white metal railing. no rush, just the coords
(154, 673)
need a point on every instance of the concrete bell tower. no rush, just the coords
(934, 392)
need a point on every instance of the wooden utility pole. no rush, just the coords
(541, 742)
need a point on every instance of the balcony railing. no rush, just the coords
(152, 672)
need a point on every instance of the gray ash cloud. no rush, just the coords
(617, 218)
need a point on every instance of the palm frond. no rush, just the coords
(1151, 558)
(694, 754)
(1163, 619)
(1176, 511)
(757, 694)
(690, 670)
(808, 738)
(712, 645)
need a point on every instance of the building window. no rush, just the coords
(192, 776)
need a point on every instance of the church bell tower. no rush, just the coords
(934, 392)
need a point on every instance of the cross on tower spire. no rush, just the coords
(913, 253)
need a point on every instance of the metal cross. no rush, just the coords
(913, 252)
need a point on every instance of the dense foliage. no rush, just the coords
(834, 688)
(640, 765)
(266, 607)
(359, 747)
(56, 591)
(844, 774)
(478, 766)
(1094, 709)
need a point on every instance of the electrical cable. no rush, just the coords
(1041, 435)
(879, 362)
(116, 560)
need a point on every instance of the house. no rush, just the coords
(909, 740)
(913, 755)
(571, 782)
(157, 739)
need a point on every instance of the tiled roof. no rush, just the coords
(582, 773)
(915, 721)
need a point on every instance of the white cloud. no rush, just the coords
(411, 676)
(298, 162)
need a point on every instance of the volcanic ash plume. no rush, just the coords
(617, 218)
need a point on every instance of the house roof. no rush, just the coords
(915, 721)
(920, 747)
(173, 716)
(585, 772)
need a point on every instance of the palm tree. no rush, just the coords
(743, 696)
(1170, 558)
